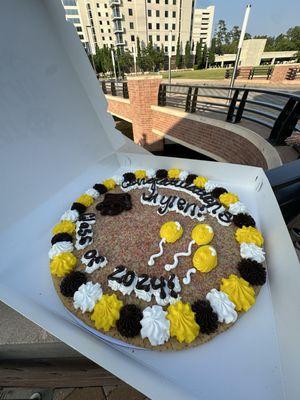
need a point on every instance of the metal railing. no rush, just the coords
(115, 88)
(278, 111)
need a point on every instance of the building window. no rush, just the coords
(173, 27)
(99, 14)
(149, 13)
(166, 14)
(166, 1)
(106, 14)
(150, 38)
(174, 14)
(81, 37)
(102, 31)
(132, 38)
(174, 2)
(74, 20)
(108, 23)
(90, 14)
(157, 1)
(157, 26)
(166, 49)
(166, 27)
(79, 29)
(173, 48)
(88, 6)
(105, 5)
(166, 38)
(130, 11)
(100, 22)
(108, 30)
(103, 38)
(150, 26)
(98, 5)
(69, 3)
(131, 26)
(72, 12)
(158, 38)
(173, 38)
(110, 38)
(149, 1)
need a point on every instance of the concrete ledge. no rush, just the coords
(117, 98)
(266, 149)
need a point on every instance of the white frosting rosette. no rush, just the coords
(209, 186)
(150, 173)
(70, 215)
(222, 306)
(93, 192)
(238, 208)
(60, 247)
(86, 296)
(155, 325)
(253, 252)
(183, 175)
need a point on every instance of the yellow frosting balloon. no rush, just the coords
(107, 312)
(248, 234)
(182, 322)
(62, 264)
(228, 198)
(173, 173)
(64, 227)
(140, 174)
(202, 234)
(109, 184)
(85, 199)
(239, 292)
(205, 258)
(200, 181)
(171, 231)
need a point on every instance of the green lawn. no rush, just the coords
(212, 73)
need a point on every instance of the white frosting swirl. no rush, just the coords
(113, 284)
(222, 306)
(128, 289)
(150, 173)
(155, 325)
(118, 179)
(253, 252)
(143, 295)
(70, 215)
(60, 247)
(238, 208)
(183, 175)
(93, 192)
(209, 186)
(86, 296)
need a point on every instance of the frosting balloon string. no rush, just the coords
(157, 255)
(168, 267)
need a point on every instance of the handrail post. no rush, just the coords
(240, 110)
(287, 126)
(188, 100)
(231, 107)
(194, 101)
(281, 120)
(113, 88)
(125, 90)
(104, 87)
(162, 95)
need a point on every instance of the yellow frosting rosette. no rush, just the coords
(182, 322)
(173, 173)
(110, 184)
(64, 227)
(202, 234)
(107, 312)
(205, 258)
(62, 264)
(85, 199)
(171, 231)
(248, 234)
(228, 198)
(140, 174)
(200, 181)
(239, 292)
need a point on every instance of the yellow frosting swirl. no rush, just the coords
(205, 258)
(182, 322)
(107, 312)
(171, 231)
(173, 173)
(110, 184)
(140, 174)
(239, 292)
(62, 264)
(200, 181)
(85, 199)
(202, 234)
(228, 198)
(64, 227)
(249, 235)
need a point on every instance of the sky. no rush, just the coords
(267, 17)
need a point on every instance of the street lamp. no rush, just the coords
(113, 63)
(92, 49)
(170, 54)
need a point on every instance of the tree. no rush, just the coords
(125, 61)
(187, 55)
(204, 56)
(138, 51)
(198, 56)
(178, 53)
(212, 52)
(220, 35)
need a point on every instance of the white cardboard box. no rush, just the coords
(56, 140)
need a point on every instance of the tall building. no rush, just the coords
(120, 22)
(203, 25)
